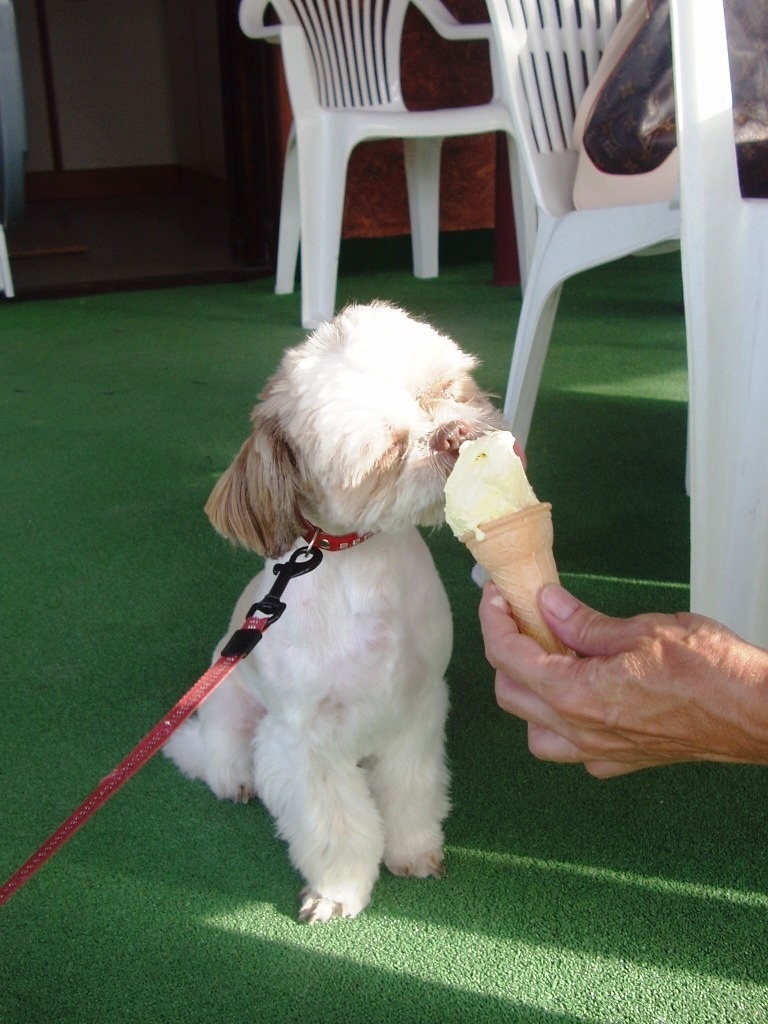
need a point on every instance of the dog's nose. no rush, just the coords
(448, 436)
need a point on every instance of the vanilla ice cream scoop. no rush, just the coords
(491, 508)
(487, 482)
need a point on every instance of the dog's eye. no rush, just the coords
(452, 390)
(399, 446)
(439, 392)
(396, 452)
(457, 390)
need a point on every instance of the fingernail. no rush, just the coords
(496, 598)
(558, 601)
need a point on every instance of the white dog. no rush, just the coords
(336, 720)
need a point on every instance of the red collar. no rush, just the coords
(315, 537)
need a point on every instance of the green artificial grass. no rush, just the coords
(566, 900)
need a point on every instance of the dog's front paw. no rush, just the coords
(316, 908)
(426, 865)
(225, 769)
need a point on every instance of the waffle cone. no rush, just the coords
(517, 552)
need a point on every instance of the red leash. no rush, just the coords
(128, 767)
(239, 645)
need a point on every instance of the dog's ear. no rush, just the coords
(254, 503)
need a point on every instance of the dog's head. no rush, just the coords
(358, 430)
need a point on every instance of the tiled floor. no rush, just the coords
(70, 246)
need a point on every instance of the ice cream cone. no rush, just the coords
(517, 551)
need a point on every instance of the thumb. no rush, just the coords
(580, 627)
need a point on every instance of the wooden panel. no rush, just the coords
(254, 139)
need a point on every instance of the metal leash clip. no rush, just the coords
(270, 608)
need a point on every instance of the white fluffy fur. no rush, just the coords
(336, 719)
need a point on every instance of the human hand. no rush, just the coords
(651, 690)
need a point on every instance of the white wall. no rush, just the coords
(193, 55)
(136, 83)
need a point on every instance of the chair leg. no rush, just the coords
(534, 329)
(422, 174)
(726, 317)
(322, 161)
(559, 253)
(729, 520)
(288, 237)
(6, 281)
(727, 327)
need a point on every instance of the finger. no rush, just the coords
(549, 745)
(520, 452)
(584, 629)
(493, 605)
(613, 769)
(496, 622)
(504, 644)
(545, 740)
(516, 699)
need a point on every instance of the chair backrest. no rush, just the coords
(549, 50)
(354, 46)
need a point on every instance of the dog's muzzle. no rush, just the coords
(449, 436)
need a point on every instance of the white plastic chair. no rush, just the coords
(548, 51)
(13, 139)
(342, 67)
(724, 244)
